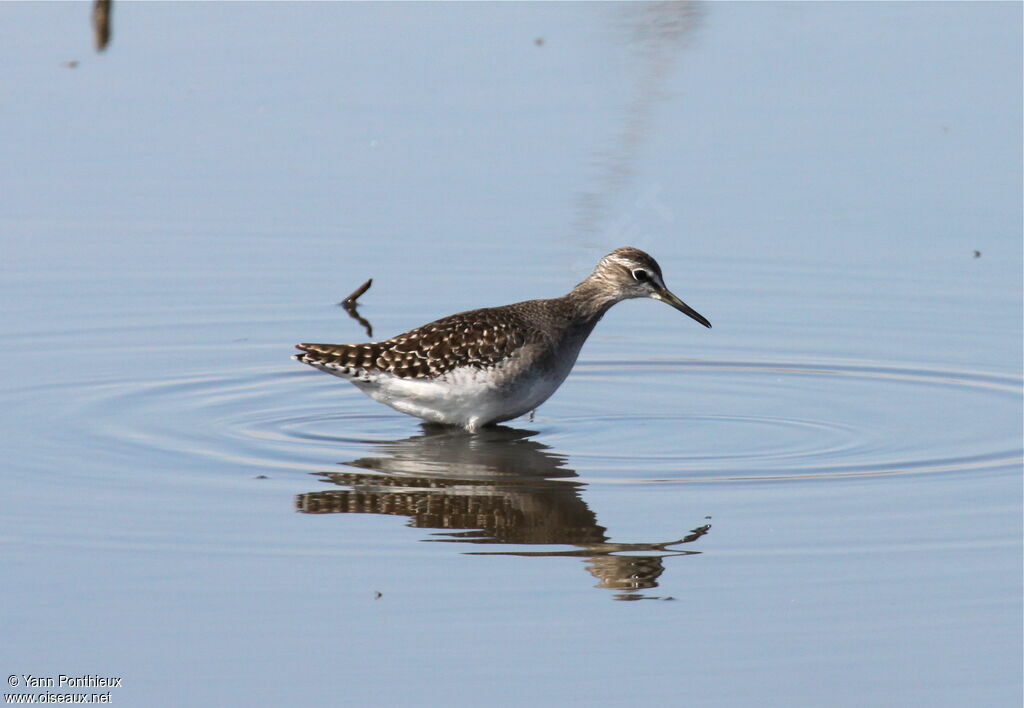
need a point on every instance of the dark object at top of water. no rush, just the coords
(539, 41)
(101, 10)
(977, 254)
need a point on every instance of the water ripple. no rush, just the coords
(656, 421)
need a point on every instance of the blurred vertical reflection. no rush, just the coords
(657, 32)
(101, 11)
(494, 487)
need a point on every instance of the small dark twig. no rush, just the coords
(351, 299)
(349, 304)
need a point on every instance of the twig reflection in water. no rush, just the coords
(494, 487)
(101, 12)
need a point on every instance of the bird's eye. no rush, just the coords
(640, 276)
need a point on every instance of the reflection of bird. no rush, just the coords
(495, 487)
(496, 454)
(486, 366)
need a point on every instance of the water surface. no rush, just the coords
(816, 502)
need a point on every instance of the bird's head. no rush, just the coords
(631, 273)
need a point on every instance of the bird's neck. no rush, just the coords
(588, 302)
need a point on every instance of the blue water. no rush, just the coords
(817, 502)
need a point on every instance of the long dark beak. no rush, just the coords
(667, 297)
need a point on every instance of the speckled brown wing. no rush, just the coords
(480, 338)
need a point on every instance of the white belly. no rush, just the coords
(468, 397)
